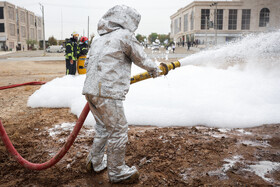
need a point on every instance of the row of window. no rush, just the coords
(11, 14)
(12, 28)
(23, 31)
(232, 20)
(22, 16)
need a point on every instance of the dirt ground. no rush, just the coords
(170, 156)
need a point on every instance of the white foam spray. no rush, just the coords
(236, 85)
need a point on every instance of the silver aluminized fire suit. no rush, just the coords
(107, 82)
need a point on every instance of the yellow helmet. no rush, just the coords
(75, 34)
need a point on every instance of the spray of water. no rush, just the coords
(258, 50)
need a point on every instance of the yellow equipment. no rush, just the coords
(81, 65)
(165, 68)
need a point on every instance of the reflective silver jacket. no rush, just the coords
(111, 55)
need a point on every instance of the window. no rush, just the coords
(264, 17)
(11, 13)
(22, 16)
(39, 35)
(192, 21)
(220, 17)
(31, 20)
(176, 26)
(204, 18)
(32, 34)
(2, 27)
(1, 13)
(246, 16)
(232, 19)
(186, 22)
(180, 22)
(12, 29)
(23, 31)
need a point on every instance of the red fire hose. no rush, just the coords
(11, 149)
(16, 85)
(57, 157)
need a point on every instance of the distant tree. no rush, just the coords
(152, 37)
(140, 38)
(163, 37)
(52, 40)
(60, 42)
(31, 44)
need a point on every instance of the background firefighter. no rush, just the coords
(83, 46)
(71, 54)
(107, 82)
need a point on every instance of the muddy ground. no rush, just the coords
(174, 156)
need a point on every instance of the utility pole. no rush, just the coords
(44, 43)
(88, 28)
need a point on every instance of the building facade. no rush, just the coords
(210, 22)
(17, 25)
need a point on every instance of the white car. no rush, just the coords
(155, 47)
(55, 49)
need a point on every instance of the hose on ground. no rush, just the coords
(11, 149)
(17, 85)
(34, 166)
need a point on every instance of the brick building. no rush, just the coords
(18, 25)
(221, 21)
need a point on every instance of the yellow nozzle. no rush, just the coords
(165, 68)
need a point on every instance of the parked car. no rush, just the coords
(55, 49)
(155, 47)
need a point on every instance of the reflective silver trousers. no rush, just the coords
(111, 131)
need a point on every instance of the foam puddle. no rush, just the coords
(263, 168)
(221, 173)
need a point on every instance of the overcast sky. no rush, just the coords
(62, 17)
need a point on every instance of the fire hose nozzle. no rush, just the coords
(165, 68)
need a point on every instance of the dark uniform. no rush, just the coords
(71, 54)
(83, 49)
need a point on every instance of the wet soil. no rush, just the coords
(169, 156)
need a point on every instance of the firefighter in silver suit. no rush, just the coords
(106, 85)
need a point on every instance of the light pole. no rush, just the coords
(44, 43)
(215, 20)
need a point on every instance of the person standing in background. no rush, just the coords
(83, 46)
(71, 54)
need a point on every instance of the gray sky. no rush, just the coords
(62, 17)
